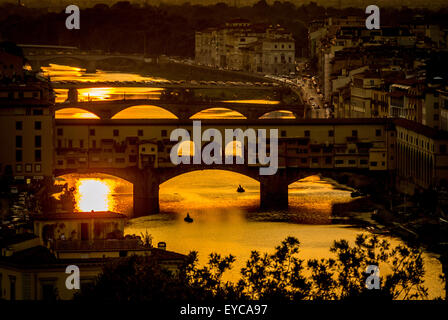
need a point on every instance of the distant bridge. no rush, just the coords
(182, 110)
(165, 84)
(40, 55)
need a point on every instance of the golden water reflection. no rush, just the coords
(59, 72)
(228, 222)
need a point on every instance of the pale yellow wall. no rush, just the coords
(66, 227)
(8, 133)
(37, 277)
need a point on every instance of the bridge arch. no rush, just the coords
(142, 111)
(128, 174)
(61, 59)
(279, 114)
(213, 113)
(77, 113)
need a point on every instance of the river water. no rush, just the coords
(225, 221)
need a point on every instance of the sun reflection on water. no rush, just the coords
(93, 194)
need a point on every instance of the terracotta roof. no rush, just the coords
(422, 129)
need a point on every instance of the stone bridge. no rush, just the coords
(88, 60)
(182, 110)
(273, 189)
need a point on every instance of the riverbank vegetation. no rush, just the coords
(280, 276)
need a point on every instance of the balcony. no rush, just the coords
(97, 245)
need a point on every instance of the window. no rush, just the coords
(18, 168)
(93, 143)
(330, 133)
(19, 125)
(81, 143)
(28, 168)
(1, 285)
(354, 133)
(132, 158)
(303, 160)
(327, 160)
(443, 148)
(373, 163)
(315, 160)
(60, 132)
(164, 133)
(37, 168)
(307, 133)
(378, 132)
(351, 161)
(19, 142)
(37, 125)
(436, 105)
(12, 288)
(436, 117)
(283, 133)
(48, 291)
(339, 161)
(116, 132)
(70, 143)
(37, 155)
(18, 155)
(60, 162)
(119, 160)
(140, 133)
(38, 112)
(92, 132)
(59, 143)
(363, 161)
(38, 141)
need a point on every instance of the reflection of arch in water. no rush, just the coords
(144, 112)
(186, 171)
(279, 114)
(75, 113)
(218, 113)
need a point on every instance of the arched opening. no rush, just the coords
(186, 149)
(97, 192)
(279, 114)
(74, 113)
(218, 113)
(234, 149)
(144, 112)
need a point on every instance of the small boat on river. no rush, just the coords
(188, 218)
(240, 189)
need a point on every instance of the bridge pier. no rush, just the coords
(274, 192)
(72, 95)
(146, 193)
(91, 66)
(35, 65)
